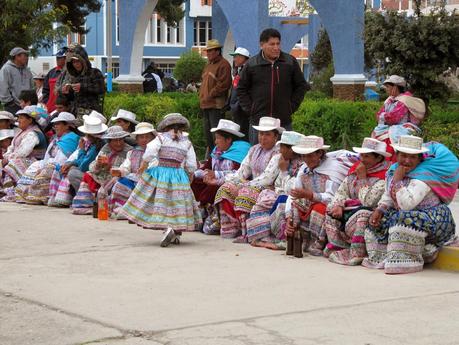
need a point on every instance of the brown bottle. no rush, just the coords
(95, 209)
(298, 243)
(290, 242)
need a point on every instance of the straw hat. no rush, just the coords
(213, 44)
(396, 80)
(229, 127)
(173, 119)
(125, 115)
(291, 138)
(6, 115)
(6, 133)
(371, 145)
(267, 124)
(65, 117)
(115, 132)
(310, 144)
(97, 115)
(92, 125)
(143, 128)
(410, 144)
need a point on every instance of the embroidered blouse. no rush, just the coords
(115, 159)
(394, 112)
(25, 148)
(131, 164)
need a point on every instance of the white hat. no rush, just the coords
(64, 117)
(241, 51)
(125, 115)
(115, 132)
(310, 144)
(6, 133)
(410, 144)
(6, 115)
(92, 125)
(371, 145)
(291, 138)
(144, 128)
(396, 80)
(267, 124)
(97, 115)
(229, 127)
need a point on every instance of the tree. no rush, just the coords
(171, 10)
(418, 47)
(322, 55)
(189, 67)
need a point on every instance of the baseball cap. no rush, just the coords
(18, 50)
(241, 51)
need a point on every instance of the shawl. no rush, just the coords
(236, 153)
(68, 143)
(379, 170)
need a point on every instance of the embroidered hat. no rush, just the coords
(213, 44)
(267, 124)
(370, 145)
(144, 128)
(229, 127)
(65, 117)
(291, 138)
(97, 115)
(396, 80)
(6, 133)
(310, 144)
(173, 119)
(6, 115)
(92, 125)
(410, 144)
(125, 115)
(241, 51)
(33, 111)
(115, 132)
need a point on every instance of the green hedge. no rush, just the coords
(342, 124)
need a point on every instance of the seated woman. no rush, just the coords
(226, 157)
(6, 120)
(163, 199)
(284, 166)
(33, 186)
(126, 120)
(401, 113)
(111, 156)
(412, 220)
(6, 137)
(315, 185)
(236, 197)
(128, 172)
(28, 145)
(353, 203)
(66, 178)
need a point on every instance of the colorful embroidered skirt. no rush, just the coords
(10, 175)
(407, 239)
(259, 221)
(33, 187)
(60, 191)
(121, 192)
(161, 199)
(311, 217)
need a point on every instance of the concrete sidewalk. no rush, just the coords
(77, 280)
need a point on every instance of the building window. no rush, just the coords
(74, 37)
(158, 32)
(202, 32)
(206, 2)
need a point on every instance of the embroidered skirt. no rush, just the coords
(33, 187)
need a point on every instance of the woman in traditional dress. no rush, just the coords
(401, 113)
(128, 172)
(163, 199)
(126, 120)
(66, 179)
(353, 203)
(6, 120)
(33, 186)
(412, 220)
(315, 185)
(99, 178)
(28, 145)
(283, 167)
(226, 157)
(236, 197)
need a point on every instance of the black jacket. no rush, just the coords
(275, 90)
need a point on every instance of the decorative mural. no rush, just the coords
(289, 8)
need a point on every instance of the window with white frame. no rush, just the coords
(202, 31)
(160, 33)
(74, 37)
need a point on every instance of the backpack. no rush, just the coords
(149, 84)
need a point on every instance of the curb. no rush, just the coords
(448, 259)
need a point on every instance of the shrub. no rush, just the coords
(189, 67)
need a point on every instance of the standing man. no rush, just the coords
(15, 76)
(213, 93)
(49, 85)
(241, 55)
(271, 84)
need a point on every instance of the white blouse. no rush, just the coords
(26, 147)
(408, 198)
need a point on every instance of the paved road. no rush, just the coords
(77, 280)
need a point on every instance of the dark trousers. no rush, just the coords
(242, 119)
(211, 118)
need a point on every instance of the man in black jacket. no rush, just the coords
(272, 84)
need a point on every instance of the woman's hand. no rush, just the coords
(81, 143)
(65, 169)
(289, 229)
(375, 218)
(361, 171)
(142, 168)
(337, 212)
(300, 193)
(400, 173)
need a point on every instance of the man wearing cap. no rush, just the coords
(241, 55)
(272, 83)
(38, 81)
(213, 93)
(49, 93)
(15, 76)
